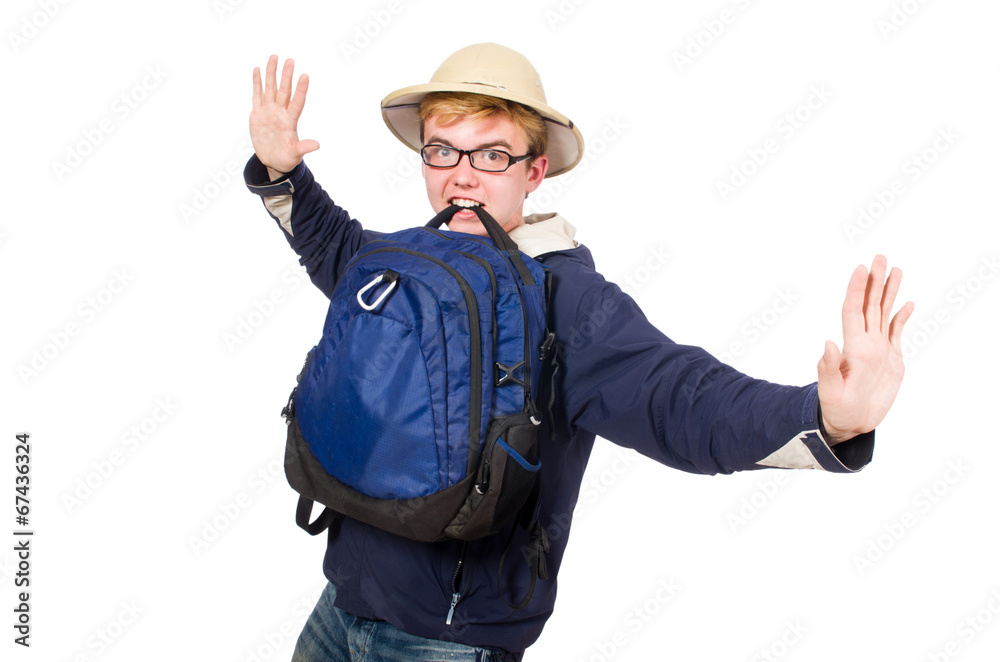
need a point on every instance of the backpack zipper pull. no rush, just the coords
(289, 410)
(451, 611)
(483, 485)
(550, 340)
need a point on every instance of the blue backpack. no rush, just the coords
(417, 410)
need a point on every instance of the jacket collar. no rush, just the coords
(544, 233)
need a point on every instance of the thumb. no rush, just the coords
(305, 146)
(829, 365)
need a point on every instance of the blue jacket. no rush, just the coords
(621, 379)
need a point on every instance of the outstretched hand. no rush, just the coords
(857, 386)
(275, 117)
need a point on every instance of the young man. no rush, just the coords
(487, 137)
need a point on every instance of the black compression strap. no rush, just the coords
(534, 553)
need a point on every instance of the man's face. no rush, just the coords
(500, 193)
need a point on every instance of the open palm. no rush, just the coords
(857, 386)
(275, 117)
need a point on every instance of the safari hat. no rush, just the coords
(495, 71)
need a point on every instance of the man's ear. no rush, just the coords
(536, 173)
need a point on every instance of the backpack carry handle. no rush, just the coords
(496, 233)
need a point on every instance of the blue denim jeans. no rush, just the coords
(334, 635)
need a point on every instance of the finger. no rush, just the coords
(873, 294)
(889, 298)
(298, 101)
(285, 91)
(898, 322)
(270, 88)
(853, 311)
(258, 93)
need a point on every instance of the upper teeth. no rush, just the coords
(464, 203)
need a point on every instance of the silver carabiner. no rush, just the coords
(375, 281)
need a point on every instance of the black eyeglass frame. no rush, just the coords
(468, 152)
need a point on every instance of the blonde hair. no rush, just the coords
(450, 107)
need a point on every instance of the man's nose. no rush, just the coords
(463, 170)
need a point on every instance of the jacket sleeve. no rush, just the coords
(626, 381)
(323, 234)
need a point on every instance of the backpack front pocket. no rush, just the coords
(507, 477)
(377, 430)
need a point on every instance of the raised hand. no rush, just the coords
(275, 117)
(857, 387)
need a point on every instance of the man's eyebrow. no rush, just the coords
(496, 143)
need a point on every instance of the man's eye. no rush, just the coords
(442, 152)
(492, 155)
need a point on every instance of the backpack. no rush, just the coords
(417, 410)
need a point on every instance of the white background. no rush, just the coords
(136, 206)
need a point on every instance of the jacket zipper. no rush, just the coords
(456, 579)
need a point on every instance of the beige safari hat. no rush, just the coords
(496, 71)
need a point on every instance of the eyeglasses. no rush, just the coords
(488, 160)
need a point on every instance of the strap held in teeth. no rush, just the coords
(496, 233)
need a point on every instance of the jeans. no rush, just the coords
(334, 635)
